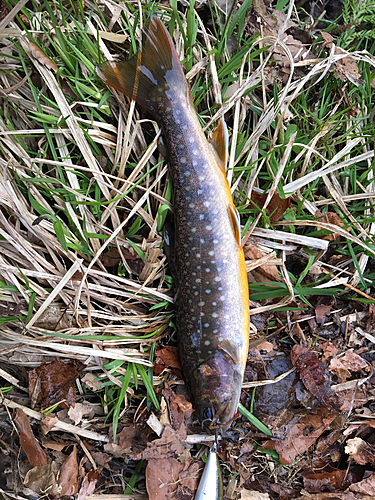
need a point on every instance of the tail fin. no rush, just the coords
(148, 75)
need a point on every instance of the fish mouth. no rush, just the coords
(216, 391)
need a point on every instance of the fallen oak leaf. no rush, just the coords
(40, 56)
(161, 478)
(321, 313)
(360, 451)
(88, 484)
(313, 374)
(29, 444)
(68, 477)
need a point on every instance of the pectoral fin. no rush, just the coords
(231, 350)
(219, 144)
(235, 219)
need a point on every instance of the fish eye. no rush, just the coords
(207, 414)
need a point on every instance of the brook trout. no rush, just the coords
(212, 295)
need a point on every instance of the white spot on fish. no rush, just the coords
(201, 303)
(195, 163)
(214, 331)
(193, 230)
(196, 293)
(191, 205)
(215, 241)
(208, 290)
(207, 269)
(206, 204)
(198, 280)
(177, 112)
(207, 342)
(214, 303)
(177, 121)
(217, 278)
(168, 108)
(200, 191)
(215, 315)
(201, 216)
(198, 255)
(222, 298)
(202, 313)
(201, 240)
(195, 152)
(179, 136)
(206, 325)
(183, 159)
(198, 267)
(211, 252)
(208, 228)
(201, 178)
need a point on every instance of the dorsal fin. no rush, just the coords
(236, 223)
(219, 143)
(148, 75)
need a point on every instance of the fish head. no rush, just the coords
(216, 390)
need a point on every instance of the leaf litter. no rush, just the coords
(87, 298)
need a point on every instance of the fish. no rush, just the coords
(211, 286)
(211, 484)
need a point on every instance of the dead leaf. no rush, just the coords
(313, 374)
(53, 383)
(301, 436)
(42, 480)
(275, 208)
(330, 218)
(354, 362)
(350, 399)
(253, 495)
(68, 478)
(321, 313)
(261, 273)
(366, 486)
(329, 349)
(47, 423)
(29, 444)
(91, 380)
(341, 372)
(38, 54)
(178, 406)
(77, 411)
(335, 480)
(101, 459)
(88, 484)
(167, 357)
(161, 478)
(360, 451)
(54, 445)
(169, 445)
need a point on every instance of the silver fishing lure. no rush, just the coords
(211, 483)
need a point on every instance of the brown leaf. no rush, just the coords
(264, 272)
(167, 357)
(276, 207)
(42, 480)
(54, 445)
(321, 313)
(177, 406)
(301, 436)
(351, 398)
(335, 480)
(360, 451)
(169, 445)
(341, 372)
(88, 484)
(329, 349)
(90, 379)
(354, 362)
(68, 478)
(29, 444)
(161, 478)
(330, 218)
(52, 383)
(77, 411)
(366, 486)
(313, 374)
(48, 423)
(38, 54)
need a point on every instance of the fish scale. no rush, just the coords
(212, 298)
